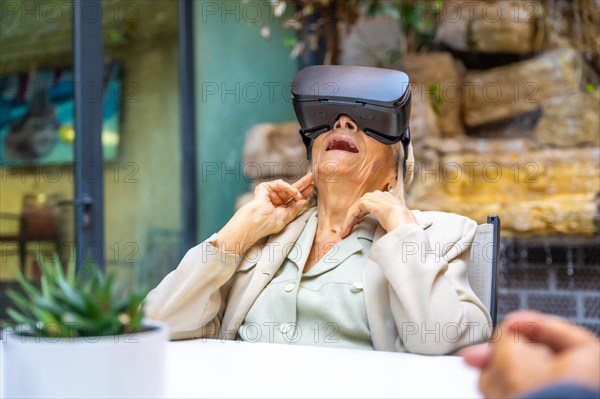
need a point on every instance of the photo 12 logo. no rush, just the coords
(13, 13)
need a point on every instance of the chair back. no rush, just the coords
(482, 267)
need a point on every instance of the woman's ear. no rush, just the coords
(390, 185)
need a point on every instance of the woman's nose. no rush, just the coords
(345, 121)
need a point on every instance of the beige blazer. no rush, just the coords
(416, 290)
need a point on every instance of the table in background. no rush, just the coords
(214, 368)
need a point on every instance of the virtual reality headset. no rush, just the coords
(377, 99)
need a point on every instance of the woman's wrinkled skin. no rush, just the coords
(352, 173)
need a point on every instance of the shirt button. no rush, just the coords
(285, 328)
(289, 287)
(357, 286)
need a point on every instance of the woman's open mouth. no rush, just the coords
(341, 143)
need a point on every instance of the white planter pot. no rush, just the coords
(109, 367)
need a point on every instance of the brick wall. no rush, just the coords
(557, 278)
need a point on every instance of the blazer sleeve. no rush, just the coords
(191, 299)
(563, 391)
(432, 304)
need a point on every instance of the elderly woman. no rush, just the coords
(358, 270)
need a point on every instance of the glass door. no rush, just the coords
(126, 214)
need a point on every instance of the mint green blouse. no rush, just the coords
(324, 306)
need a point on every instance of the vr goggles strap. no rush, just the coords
(405, 142)
(307, 141)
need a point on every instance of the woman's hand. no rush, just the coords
(275, 204)
(384, 206)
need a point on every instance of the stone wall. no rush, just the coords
(505, 112)
(531, 135)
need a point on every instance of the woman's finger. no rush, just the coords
(307, 191)
(355, 214)
(266, 192)
(263, 191)
(281, 192)
(304, 186)
(347, 225)
(304, 182)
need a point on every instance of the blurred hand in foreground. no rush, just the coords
(530, 351)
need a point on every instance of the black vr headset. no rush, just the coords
(377, 99)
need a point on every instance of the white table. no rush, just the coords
(214, 368)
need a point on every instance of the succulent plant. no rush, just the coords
(69, 305)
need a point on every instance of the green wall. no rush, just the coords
(241, 79)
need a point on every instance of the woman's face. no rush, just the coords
(348, 152)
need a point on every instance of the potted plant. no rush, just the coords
(81, 336)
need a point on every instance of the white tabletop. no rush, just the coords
(214, 368)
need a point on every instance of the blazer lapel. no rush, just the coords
(271, 258)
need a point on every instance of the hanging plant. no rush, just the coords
(317, 23)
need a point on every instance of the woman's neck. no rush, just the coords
(334, 200)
